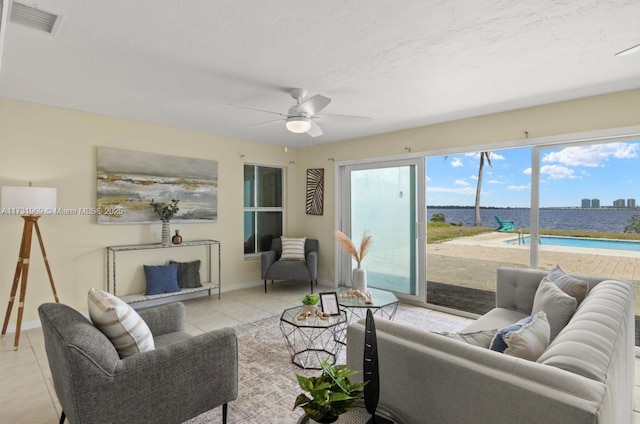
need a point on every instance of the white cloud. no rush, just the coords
(461, 182)
(495, 182)
(592, 156)
(466, 191)
(474, 177)
(456, 163)
(557, 172)
(519, 187)
(493, 156)
(527, 171)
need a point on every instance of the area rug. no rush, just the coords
(267, 385)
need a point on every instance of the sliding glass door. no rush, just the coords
(386, 200)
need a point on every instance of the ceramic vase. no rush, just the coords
(177, 238)
(166, 234)
(308, 308)
(324, 421)
(359, 281)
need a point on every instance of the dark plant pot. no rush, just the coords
(325, 420)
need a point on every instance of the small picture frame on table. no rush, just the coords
(329, 303)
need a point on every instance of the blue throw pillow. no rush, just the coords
(161, 278)
(498, 343)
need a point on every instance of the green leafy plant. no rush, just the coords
(165, 211)
(310, 299)
(438, 217)
(634, 225)
(331, 394)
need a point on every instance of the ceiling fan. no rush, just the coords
(301, 117)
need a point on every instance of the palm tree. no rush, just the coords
(483, 156)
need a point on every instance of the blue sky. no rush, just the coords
(604, 171)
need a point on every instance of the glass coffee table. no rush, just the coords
(313, 339)
(384, 304)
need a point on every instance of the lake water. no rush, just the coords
(608, 220)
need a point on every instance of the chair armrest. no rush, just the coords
(312, 264)
(163, 319)
(155, 384)
(267, 259)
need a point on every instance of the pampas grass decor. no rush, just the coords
(348, 246)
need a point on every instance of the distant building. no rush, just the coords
(619, 203)
(586, 203)
(595, 203)
(631, 203)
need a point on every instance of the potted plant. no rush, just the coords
(309, 302)
(359, 281)
(165, 211)
(330, 394)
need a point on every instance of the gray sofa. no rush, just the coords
(183, 377)
(586, 375)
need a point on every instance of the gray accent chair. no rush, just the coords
(183, 377)
(275, 269)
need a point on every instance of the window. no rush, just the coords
(263, 207)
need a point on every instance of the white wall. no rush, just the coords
(55, 147)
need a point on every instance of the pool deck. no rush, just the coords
(480, 255)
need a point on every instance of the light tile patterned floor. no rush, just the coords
(26, 391)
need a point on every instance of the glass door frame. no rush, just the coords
(342, 261)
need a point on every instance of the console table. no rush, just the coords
(209, 285)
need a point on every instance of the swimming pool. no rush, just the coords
(633, 246)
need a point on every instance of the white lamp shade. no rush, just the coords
(298, 124)
(28, 200)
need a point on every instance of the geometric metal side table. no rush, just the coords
(384, 304)
(312, 340)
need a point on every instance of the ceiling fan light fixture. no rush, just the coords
(298, 124)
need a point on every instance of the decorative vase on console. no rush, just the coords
(165, 211)
(359, 281)
(177, 238)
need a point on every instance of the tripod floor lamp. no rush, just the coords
(31, 203)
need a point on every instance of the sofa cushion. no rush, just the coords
(557, 305)
(527, 339)
(292, 249)
(120, 323)
(495, 318)
(569, 284)
(161, 278)
(480, 338)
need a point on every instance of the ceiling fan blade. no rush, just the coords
(260, 110)
(351, 118)
(265, 123)
(315, 130)
(313, 105)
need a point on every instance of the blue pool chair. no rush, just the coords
(504, 225)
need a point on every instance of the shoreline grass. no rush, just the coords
(442, 231)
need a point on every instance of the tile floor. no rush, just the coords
(26, 389)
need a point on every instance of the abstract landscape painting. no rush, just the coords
(128, 181)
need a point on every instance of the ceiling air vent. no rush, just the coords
(34, 18)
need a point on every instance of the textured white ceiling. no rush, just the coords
(403, 63)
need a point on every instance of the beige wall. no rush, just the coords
(57, 147)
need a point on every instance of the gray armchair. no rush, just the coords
(183, 377)
(275, 269)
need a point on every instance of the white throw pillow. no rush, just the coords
(568, 284)
(293, 249)
(120, 323)
(526, 339)
(557, 305)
